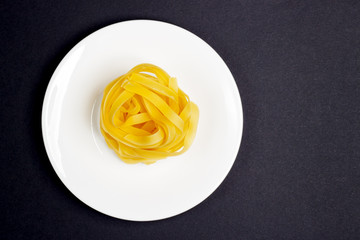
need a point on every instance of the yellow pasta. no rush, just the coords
(145, 116)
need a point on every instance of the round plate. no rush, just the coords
(91, 170)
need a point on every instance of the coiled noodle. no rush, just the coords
(145, 116)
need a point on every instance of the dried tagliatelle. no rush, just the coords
(145, 116)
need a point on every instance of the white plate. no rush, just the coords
(78, 152)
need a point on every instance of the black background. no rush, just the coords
(297, 66)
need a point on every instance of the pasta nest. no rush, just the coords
(145, 116)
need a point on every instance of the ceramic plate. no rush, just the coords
(93, 172)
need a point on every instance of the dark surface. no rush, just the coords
(297, 66)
